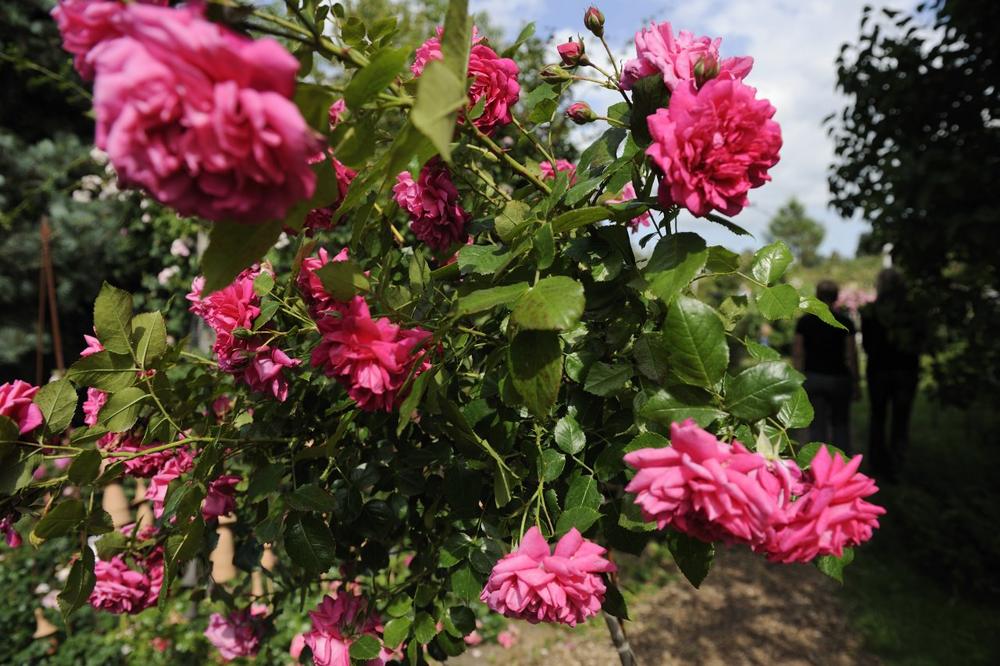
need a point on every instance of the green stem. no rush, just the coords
(534, 140)
(511, 162)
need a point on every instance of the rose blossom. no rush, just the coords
(829, 515)
(178, 464)
(201, 117)
(311, 287)
(235, 635)
(436, 215)
(710, 490)
(561, 166)
(336, 113)
(676, 58)
(572, 54)
(221, 497)
(336, 623)
(372, 358)
(322, 218)
(122, 589)
(146, 466)
(628, 194)
(10, 534)
(539, 585)
(16, 404)
(93, 346)
(494, 80)
(713, 145)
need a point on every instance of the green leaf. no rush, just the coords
(580, 517)
(464, 619)
(111, 544)
(396, 631)
(769, 262)
(233, 247)
(149, 337)
(728, 224)
(121, 410)
(103, 370)
(797, 411)
(79, 584)
(365, 647)
(834, 566)
(603, 151)
(424, 626)
(309, 542)
(343, 279)
(551, 465)
(813, 305)
(263, 284)
(465, 585)
(183, 546)
(514, 216)
(664, 408)
(61, 520)
(614, 603)
(486, 299)
(314, 103)
(113, 319)
(527, 32)
(57, 402)
(652, 354)
(569, 435)
(778, 302)
(265, 481)
(85, 467)
(761, 352)
(583, 492)
(693, 557)
(375, 76)
(9, 430)
(605, 380)
(760, 390)
(311, 497)
(535, 362)
(579, 217)
(809, 451)
(676, 261)
(440, 95)
(722, 260)
(16, 470)
(648, 95)
(482, 259)
(553, 304)
(503, 487)
(544, 246)
(699, 354)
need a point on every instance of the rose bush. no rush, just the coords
(458, 383)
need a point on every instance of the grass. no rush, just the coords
(923, 591)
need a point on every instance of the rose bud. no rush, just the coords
(705, 70)
(554, 74)
(572, 53)
(581, 113)
(594, 20)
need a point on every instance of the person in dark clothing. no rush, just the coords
(829, 358)
(891, 336)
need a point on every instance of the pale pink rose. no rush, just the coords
(829, 515)
(200, 117)
(336, 623)
(236, 635)
(220, 500)
(93, 346)
(84, 24)
(713, 145)
(121, 589)
(175, 466)
(311, 287)
(433, 202)
(16, 404)
(179, 248)
(710, 490)
(494, 81)
(562, 166)
(628, 194)
(507, 638)
(539, 585)
(676, 58)
(372, 358)
(10, 534)
(92, 406)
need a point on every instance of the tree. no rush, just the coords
(917, 149)
(802, 233)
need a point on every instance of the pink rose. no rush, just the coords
(539, 585)
(311, 287)
(507, 638)
(221, 497)
(372, 358)
(713, 145)
(84, 24)
(236, 635)
(336, 113)
(201, 117)
(176, 465)
(436, 215)
(16, 404)
(92, 405)
(676, 58)
(10, 534)
(322, 218)
(628, 194)
(93, 346)
(710, 490)
(829, 515)
(146, 466)
(336, 623)
(121, 589)
(562, 166)
(581, 113)
(572, 54)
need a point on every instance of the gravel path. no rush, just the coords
(747, 612)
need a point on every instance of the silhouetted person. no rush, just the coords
(892, 334)
(829, 358)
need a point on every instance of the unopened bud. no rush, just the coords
(594, 20)
(572, 53)
(705, 70)
(554, 74)
(581, 113)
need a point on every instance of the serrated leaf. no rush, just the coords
(778, 302)
(465, 584)
(579, 217)
(676, 261)
(834, 566)
(79, 584)
(113, 319)
(149, 337)
(665, 409)
(554, 304)
(485, 299)
(311, 497)
(604, 380)
(535, 362)
(183, 546)
(813, 305)
(121, 410)
(104, 370)
(722, 260)
(569, 435)
(424, 626)
(769, 262)
(365, 647)
(512, 219)
(309, 542)
(57, 402)
(797, 411)
(85, 467)
(760, 390)
(396, 631)
(580, 517)
(696, 341)
(374, 77)
(343, 279)
(233, 247)
(551, 465)
(693, 557)
(61, 520)
(583, 492)
(652, 354)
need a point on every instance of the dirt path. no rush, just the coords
(747, 612)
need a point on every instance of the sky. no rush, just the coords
(794, 45)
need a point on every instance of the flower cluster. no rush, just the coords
(436, 214)
(336, 623)
(715, 140)
(720, 492)
(121, 588)
(537, 584)
(197, 115)
(231, 312)
(16, 404)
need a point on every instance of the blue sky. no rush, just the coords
(793, 43)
